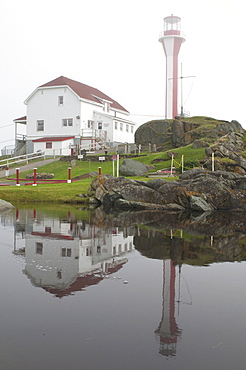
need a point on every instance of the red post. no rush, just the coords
(99, 170)
(17, 171)
(69, 175)
(7, 171)
(34, 177)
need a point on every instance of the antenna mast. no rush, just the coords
(182, 105)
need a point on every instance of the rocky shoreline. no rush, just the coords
(195, 190)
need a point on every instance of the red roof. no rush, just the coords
(53, 138)
(83, 91)
(81, 283)
(21, 119)
(53, 235)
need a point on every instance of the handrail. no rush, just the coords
(162, 35)
(21, 158)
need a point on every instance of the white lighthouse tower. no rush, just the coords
(171, 39)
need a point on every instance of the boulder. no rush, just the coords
(129, 167)
(154, 132)
(5, 205)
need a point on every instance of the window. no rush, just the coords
(127, 128)
(47, 230)
(60, 101)
(90, 124)
(99, 125)
(121, 126)
(67, 122)
(131, 129)
(48, 145)
(116, 125)
(59, 274)
(39, 248)
(40, 125)
(66, 252)
(98, 249)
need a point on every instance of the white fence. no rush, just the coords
(21, 158)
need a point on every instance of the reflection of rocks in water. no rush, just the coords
(186, 248)
(196, 238)
(216, 223)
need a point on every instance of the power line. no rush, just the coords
(10, 124)
(146, 115)
(5, 141)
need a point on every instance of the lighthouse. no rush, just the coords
(168, 329)
(171, 39)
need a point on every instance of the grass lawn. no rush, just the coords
(51, 193)
(65, 193)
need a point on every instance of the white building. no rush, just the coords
(64, 114)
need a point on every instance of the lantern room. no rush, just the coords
(172, 25)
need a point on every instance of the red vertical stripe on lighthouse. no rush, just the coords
(176, 48)
(173, 325)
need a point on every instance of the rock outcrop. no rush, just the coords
(196, 190)
(228, 153)
(184, 131)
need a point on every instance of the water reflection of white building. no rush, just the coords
(65, 255)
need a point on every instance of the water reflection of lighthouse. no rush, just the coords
(168, 330)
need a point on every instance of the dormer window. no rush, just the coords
(106, 107)
(105, 103)
(60, 101)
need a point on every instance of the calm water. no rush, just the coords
(83, 290)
